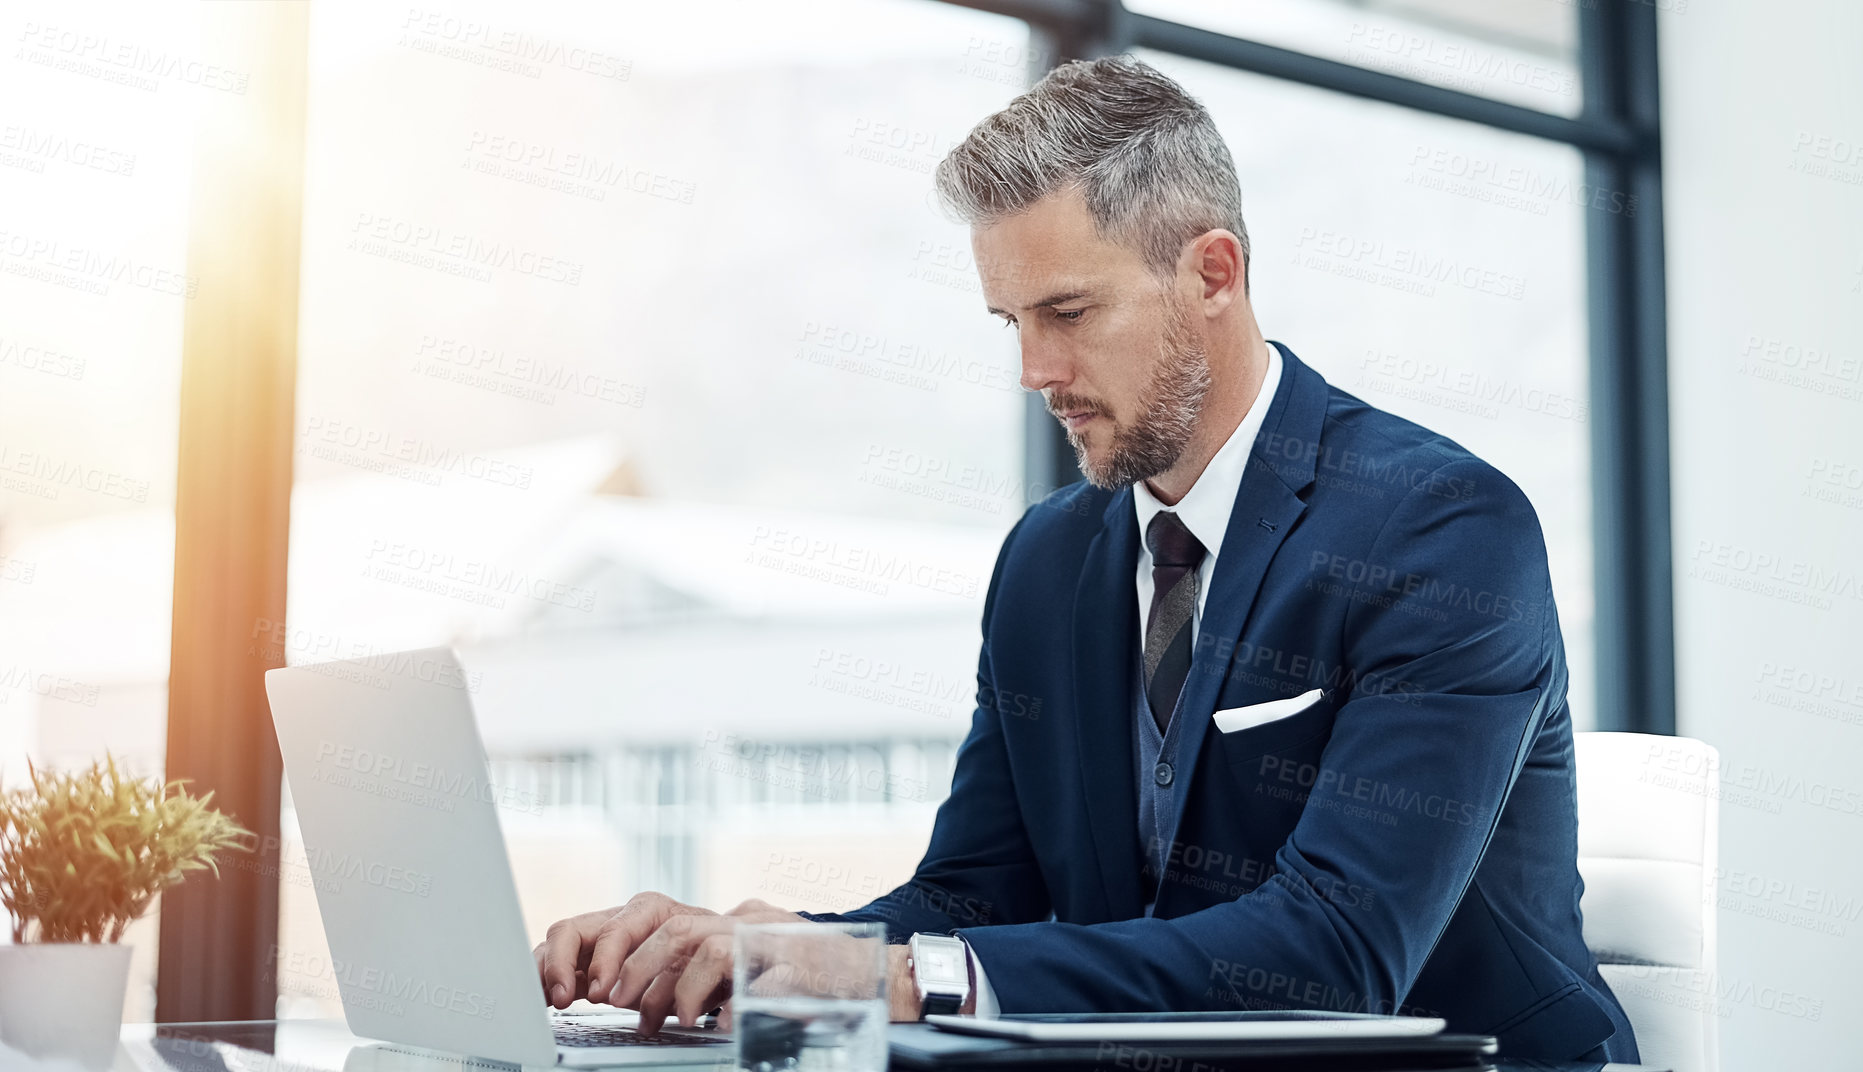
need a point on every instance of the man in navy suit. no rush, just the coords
(1271, 709)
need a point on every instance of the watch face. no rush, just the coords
(940, 963)
(940, 966)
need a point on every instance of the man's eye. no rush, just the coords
(1069, 314)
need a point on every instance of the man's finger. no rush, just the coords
(657, 1002)
(561, 954)
(675, 940)
(620, 934)
(706, 980)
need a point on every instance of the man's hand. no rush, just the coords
(653, 954)
(580, 957)
(683, 968)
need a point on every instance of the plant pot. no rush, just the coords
(64, 999)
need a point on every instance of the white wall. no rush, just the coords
(1765, 266)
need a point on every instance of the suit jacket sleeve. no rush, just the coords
(979, 869)
(1442, 709)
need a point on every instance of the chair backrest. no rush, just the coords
(1648, 831)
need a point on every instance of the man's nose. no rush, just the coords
(1043, 366)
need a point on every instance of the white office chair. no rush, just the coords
(1648, 827)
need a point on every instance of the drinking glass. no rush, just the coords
(809, 997)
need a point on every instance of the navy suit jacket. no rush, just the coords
(1408, 844)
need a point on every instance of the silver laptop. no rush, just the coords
(400, 824)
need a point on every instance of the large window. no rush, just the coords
(94, 173)
(637, 363)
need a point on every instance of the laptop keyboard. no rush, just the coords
(584, 1035)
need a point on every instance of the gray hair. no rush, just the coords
(1147, 156)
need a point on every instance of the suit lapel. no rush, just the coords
(1105, 634)
(1280, 465)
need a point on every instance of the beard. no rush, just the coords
(1168, 411)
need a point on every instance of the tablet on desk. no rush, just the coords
(1192, 1026)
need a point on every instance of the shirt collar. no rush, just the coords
(1206, 507)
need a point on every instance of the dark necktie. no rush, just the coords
(1175, 555)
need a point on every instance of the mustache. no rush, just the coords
(1061, 405)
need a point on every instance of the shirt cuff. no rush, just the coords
(987, 1009)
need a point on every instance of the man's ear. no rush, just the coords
(1215, 260)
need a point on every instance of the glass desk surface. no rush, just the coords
(328, 1046)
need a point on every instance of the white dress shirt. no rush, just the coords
(1205, 510)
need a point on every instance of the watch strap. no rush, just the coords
(942, 1004)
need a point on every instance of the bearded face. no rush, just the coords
(1115, 452)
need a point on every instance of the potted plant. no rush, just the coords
(82, 855)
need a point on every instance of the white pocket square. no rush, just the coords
(1245, 718)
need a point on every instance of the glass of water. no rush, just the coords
(809, 997)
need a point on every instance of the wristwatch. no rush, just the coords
(941, 971)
